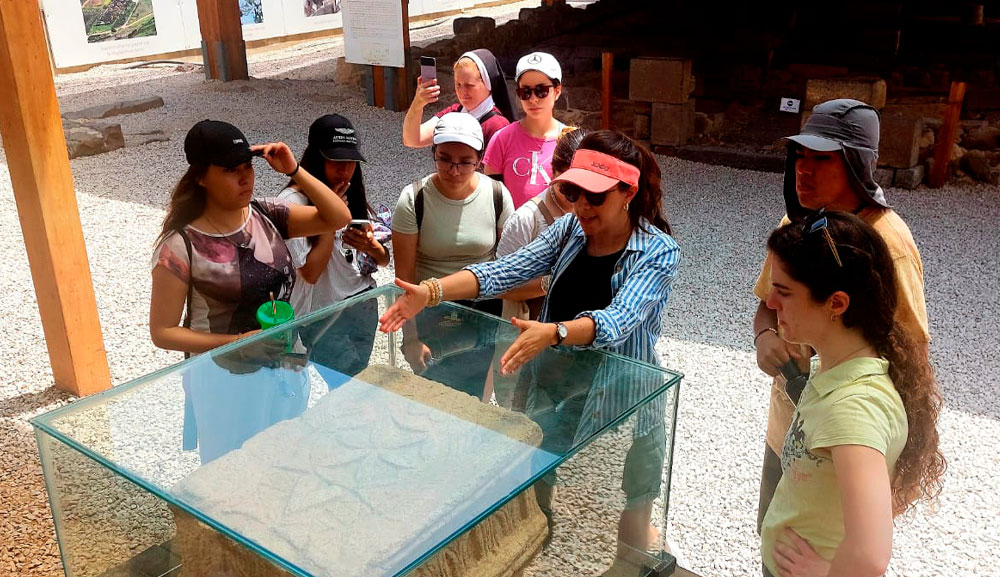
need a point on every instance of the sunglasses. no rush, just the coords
(573, 192)
(817, 222)
(541, 91)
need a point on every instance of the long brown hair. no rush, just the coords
(187, 202)
(648, 201)
(868, 277)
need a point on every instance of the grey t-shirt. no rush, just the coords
(454, 233)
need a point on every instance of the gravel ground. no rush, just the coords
(706, 329)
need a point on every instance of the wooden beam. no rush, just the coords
(46, 203)
(946, 137)
(607, 74)
(222, 43)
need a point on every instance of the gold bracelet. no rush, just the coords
(430, 290)
(434, 287)
(439, 292)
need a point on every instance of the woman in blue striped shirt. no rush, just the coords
(612, 264)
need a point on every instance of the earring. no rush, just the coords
(833, 318)
(626, 207)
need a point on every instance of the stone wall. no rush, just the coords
(732, 65)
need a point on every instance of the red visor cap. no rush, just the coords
(597, 172)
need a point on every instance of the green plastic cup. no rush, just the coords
(283, 313)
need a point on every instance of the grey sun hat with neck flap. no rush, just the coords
(850, 127)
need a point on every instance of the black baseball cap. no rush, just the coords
(336, 138)
(216, 142)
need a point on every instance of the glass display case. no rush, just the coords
(326, 448)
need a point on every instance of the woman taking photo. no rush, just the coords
(863, 445)
(442, 223)
(522, 152)
(481, 89)
(612, 263)
(219, 256)
(333, 267)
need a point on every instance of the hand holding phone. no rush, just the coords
(428, 90)
(362, 224)
(428, 70)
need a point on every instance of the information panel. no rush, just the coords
(373, 32)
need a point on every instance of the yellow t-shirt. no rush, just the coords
(911, 311)
(854, 403)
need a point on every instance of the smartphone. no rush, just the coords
(428, 70)
(361, 224)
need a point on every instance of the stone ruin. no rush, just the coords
(88, 132)
(703, 81)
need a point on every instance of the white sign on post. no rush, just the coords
(373, 32)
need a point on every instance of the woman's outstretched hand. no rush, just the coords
(406, 307)
(534, 338)
(278, 155)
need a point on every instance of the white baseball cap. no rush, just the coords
(542, 62)
(459, 127)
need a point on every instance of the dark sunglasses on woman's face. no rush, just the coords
(541, 91)
(573, 192)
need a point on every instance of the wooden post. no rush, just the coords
(378, 81)
(222, 45)
(401, 97)
(46, 203)
(391, 86)
(946, 137)
(607, 74)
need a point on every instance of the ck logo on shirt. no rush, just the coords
(523, 167)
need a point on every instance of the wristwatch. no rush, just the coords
(561, 333)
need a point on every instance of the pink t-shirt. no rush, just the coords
(524, 161)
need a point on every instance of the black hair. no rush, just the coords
(314, 163)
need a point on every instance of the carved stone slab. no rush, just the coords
(363, 482)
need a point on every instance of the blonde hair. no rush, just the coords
(466, 62)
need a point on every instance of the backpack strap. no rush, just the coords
(418, 203)
(544, 210)
(488, 115)
(497, 211)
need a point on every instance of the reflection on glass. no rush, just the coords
(337, 459)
